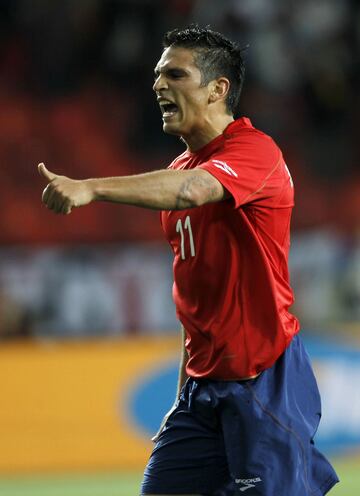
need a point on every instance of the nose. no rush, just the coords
(159, 83)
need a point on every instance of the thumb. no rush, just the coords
(46, 173)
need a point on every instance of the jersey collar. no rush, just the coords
(233, 128)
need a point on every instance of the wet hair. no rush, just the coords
(215, 56)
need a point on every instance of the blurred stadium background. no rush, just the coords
(88, 335)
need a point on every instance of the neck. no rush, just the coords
(211, 130)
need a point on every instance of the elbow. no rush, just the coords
(192, 198)
(198, 198)
(196, 189)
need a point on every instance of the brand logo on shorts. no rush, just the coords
(247, 483)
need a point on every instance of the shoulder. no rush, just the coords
(251, 144)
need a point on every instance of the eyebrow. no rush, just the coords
(166, 69)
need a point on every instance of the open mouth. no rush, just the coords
(168, 109)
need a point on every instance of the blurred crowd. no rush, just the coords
(75, 92)
(112, 290)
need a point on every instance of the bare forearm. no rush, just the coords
(163, 190)
(159, 190)
(182, 369)
(181, 381)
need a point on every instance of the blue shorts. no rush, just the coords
(251, 437)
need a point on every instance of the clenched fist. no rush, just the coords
(62, 194)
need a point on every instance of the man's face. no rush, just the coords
(182, 99)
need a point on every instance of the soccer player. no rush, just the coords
(247, 405)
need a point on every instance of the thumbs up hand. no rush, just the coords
(62, 194)
(44, 172)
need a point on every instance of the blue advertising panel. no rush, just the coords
(336, 366)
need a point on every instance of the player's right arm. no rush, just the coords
(181, 381)
(160, 190)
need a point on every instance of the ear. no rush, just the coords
(218, 89)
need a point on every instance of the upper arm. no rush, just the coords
(203, 187)
(251, 169)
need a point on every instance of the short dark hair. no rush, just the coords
(215, 56)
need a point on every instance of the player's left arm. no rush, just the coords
(182, 377)
(161, 190)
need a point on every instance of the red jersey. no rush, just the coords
(231, 280)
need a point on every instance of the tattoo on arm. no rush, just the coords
(206, 184)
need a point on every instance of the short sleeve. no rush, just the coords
(250, 167)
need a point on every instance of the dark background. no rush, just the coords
(75, 93)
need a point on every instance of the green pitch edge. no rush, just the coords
(84, 485)
(127, 484)
(349, 475)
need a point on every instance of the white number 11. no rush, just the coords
(179, 228)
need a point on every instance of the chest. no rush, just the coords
(191, 232)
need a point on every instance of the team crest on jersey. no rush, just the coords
(225, 167)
